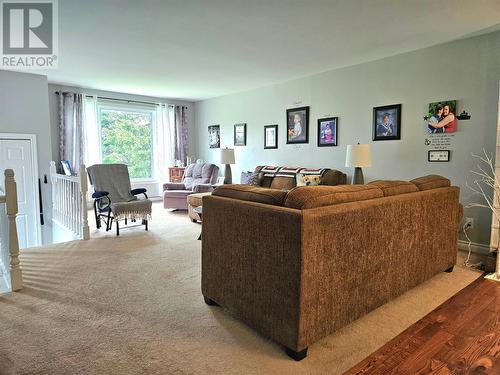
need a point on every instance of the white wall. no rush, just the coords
(24, 108)
(466, 70)
(154, 189)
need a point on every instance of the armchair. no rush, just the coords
(198, 178)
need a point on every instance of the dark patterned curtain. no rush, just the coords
(181, 133)
(71, 128)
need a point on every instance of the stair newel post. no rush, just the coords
(84, 188)
(11, 205)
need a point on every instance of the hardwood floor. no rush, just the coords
(462, 336)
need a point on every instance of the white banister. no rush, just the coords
(9, 244)
(69, 202)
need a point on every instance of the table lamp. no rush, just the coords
(358, 156)
(227, 157)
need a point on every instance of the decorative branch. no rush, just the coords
(486, 181)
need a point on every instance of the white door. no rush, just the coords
(16, 154)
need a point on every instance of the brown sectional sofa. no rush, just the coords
(299, 265)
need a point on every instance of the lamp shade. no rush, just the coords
(227, 156)
(358, 156)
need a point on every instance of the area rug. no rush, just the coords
(132, 304)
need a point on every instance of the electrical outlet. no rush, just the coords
(469, 223)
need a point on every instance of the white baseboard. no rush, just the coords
(476, 248)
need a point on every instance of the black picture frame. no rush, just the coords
(303, 137)
(322, 121)
(394, 111)
(238, 142)
(275, 146)
(430, 159)
(214, 136)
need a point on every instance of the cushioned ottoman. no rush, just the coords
(194, 200)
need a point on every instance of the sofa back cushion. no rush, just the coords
(188, 172)
(431, 181)
(207, 170)
(283, 183)
(394, 187)
(198, 167)
(303, 197)
(251, 193)
(333, 177)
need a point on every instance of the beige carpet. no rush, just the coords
(132, 305)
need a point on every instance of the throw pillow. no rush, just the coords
(308, 179)
(250, 178)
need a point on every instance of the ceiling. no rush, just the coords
(197, 49)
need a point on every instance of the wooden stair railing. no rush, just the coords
(12, 243)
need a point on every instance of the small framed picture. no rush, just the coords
(327, 131)
(270, 136)
(387, 123)
(438, 156)
(66, 166)
(240, 134)
(297, 125)
(214, 136)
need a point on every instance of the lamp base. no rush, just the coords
(358, 178)
(228, 177)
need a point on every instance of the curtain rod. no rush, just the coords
(116, 99)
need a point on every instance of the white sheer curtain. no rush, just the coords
(165, 140)
(92, 137)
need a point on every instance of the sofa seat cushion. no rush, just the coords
(251, 193)
(432, 181)
(177, 193)
(394, 187)
(303, 197)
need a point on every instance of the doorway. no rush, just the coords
(18, 152)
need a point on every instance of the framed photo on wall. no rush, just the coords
(240, 134)
(214, 136)
(442, 117)
(297, 125)
(387, 122)
(270, 136)
(327, 131)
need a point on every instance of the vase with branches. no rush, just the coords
(486, 185)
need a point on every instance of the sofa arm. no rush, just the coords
(174, 186)
(202, 188)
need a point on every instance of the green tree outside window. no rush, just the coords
(127, 137)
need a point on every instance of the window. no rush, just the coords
(126, 134)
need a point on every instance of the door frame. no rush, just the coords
(34, 161)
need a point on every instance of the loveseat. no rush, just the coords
(198, 178)
(299, 265)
